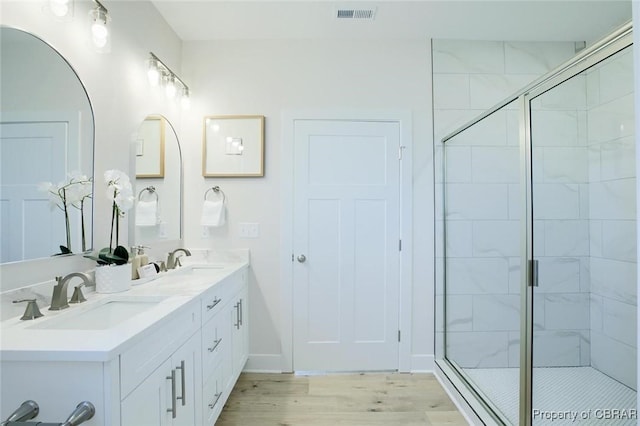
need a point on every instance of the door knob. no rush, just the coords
(302, 258)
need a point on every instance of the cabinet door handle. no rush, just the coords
(241, 312)
(215, 401)
(237, 324)
(183, 373)
(215, 345)
(172, 410)
(213, 305)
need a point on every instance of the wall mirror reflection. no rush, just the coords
(150, 148)
(46, 149)
(233, 146)
(158, 208)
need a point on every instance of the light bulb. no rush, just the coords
(153, 73)
(170, 88)
(59, 8)
(185, 101)
(99, 29)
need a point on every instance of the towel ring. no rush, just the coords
(218, 191)
(150, 190)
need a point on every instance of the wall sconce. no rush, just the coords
(157, 71)
(99, 30)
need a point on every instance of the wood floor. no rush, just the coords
(372, 399)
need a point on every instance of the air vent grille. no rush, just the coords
(355, 14)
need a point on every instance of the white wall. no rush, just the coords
(267, 78)
(636, 64)
(117, 85)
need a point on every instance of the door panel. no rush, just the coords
(346, 201)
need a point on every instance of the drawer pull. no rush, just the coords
(213, 305)
(216, 343)
(215, 401)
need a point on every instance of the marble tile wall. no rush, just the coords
(612, 224)
(483, 204)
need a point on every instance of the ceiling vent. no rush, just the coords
(360, 14)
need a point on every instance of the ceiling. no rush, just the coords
(530, 20)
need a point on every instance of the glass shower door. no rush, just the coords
(482, 258)
(583, 221)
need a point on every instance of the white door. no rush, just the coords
(346, 245)
(31, 153)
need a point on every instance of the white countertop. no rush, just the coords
(176, 289)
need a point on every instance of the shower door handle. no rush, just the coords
(533, 265)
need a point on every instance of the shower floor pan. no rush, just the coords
(560, 390)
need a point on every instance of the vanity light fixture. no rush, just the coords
(99, 19)
(157, 71)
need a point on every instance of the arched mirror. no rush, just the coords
(46, 152)
(158, 182)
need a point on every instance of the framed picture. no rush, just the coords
(233, 146)
(150, 148)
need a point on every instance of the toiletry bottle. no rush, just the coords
(135, 261)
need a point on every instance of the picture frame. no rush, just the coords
(233, 146)
(150, 148)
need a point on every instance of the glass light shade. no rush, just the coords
(59, 8)
(153, 73)
(185, 101)
(170, 87)
(99, 29)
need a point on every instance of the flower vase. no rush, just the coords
(113, 278)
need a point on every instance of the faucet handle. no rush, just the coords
(77, 296)
(31, 311)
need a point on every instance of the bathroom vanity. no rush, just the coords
(166, 352)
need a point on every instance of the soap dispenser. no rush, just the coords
(139, 259)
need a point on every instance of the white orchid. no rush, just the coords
(73, 192)
(120, 192)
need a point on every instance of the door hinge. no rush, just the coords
(292, 257)
(399, 245)
(398, 335)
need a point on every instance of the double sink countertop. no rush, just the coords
(107, 324)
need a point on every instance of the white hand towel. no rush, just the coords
(213, 213)
(147, 213)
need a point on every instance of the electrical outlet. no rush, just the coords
(249, 230)
(204, 233)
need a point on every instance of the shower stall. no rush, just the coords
(536, 297)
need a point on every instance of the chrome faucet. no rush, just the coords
(173, 261)
(59, 299)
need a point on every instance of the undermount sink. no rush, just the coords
(102, 316)
(197, 269)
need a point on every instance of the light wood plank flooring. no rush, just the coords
(372, 399)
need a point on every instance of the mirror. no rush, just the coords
(158, 183)
(46, 135)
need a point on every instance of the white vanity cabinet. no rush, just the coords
(224, 338)
(170, 395)
(177, 369)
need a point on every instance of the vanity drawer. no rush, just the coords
(216, 297)
(151, 351)
(213, 396)
(215, 340)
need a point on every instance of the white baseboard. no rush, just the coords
(264, 363)
(272, 363)
(422, 363)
